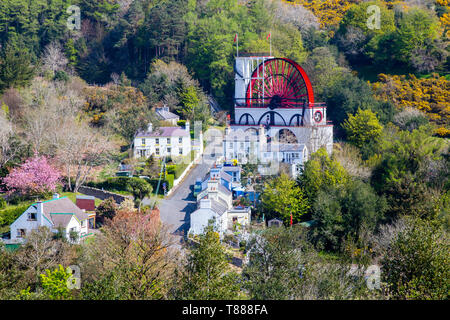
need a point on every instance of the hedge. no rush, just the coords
(168, 180)
(8, 216)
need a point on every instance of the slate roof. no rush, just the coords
(61, 220)
(291, 147)
(86, 198)
(165, 114)
(226, 176)
(218, 207)
(224, 190)
(231, 168)
(165, 132)
(61, 208)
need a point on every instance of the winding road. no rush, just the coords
(175, 210)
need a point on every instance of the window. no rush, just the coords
(242, 145)
(21, 233)
(169, 150)
(83, 223)
(157, 141)
(168, 140)
(180, 140)
(231, 145)
(157, 151)
(32, 216)
(181, 151)
(143, 142)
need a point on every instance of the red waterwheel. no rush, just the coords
(279, 83)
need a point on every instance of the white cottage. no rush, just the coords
(58, 213)
(216, 203)
(163, 141)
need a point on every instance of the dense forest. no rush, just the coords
(72, 100)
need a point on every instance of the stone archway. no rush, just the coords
(286, 136)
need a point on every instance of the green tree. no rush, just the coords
(140, 189)
(415, 265)
(362, 128)
(15, 67)
(346, 212)
(406, 171)
(106, 210)
(54, 284)
(282, 198)
(319, 172)
(188, 101)
(276, 268)
(414, 28)
(207, 275)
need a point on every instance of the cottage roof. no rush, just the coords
(165, 114)
(218, 207)
(61, 219)
(61, 206)
(226, 176)
(165, 132)
(224, 190)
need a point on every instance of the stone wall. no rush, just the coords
(103, 194)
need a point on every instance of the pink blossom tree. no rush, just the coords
(35, 176)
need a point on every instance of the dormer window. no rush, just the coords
(32, 216)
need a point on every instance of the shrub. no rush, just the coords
(8, 216)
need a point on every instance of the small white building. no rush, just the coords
(216, 203)
(56, 214)
(164, 114)
(163, 141)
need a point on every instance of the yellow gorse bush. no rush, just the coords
(431, 95)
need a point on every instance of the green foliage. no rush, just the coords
(207, 275)
(140, 188)
(276, 264)
(357, 16)
(15, 67)
(415, 27)
(416, 264)
(349, 94)
(409, 165)
(9, 215)
(54, 284)
(362, 128)
(106, 210)
(319, 172)
(343, 212)
(282, 197)
(107, 287)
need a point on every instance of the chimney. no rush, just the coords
(40, 213)
(150, 127)
(187, 127)
(56, 196)
(205, 204)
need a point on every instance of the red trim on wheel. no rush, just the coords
(288, 89)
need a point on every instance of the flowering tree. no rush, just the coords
(35, 176)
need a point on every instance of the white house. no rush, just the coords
(58, 213)
(163, 141)
(216, 203)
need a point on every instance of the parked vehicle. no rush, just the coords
(197, 187)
